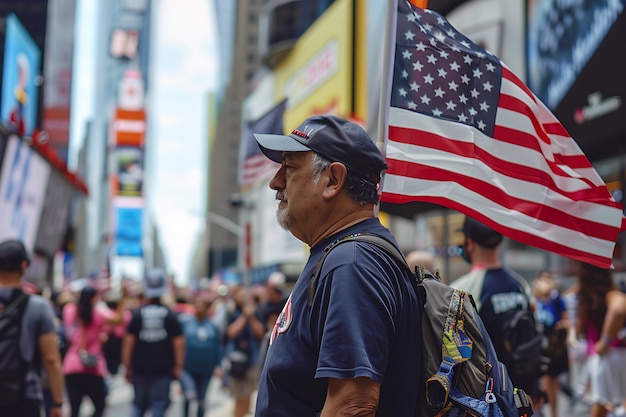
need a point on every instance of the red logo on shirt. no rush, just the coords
(283, 321)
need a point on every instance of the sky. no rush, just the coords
(184, 71)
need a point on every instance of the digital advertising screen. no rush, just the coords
(20, 69)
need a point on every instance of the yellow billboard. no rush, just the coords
(317, 77)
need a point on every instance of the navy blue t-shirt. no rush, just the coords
(364, 322)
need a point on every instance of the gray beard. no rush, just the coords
(282, 217)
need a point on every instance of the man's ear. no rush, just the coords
(337, 174)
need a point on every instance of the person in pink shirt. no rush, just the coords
(84, 365)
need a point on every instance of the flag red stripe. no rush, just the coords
(469, 150)
(507, 74)
(496, 194)
(552, 246)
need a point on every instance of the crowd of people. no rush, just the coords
(76, 342)
(345, 340)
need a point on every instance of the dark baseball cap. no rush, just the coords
(335, 139)
(483, 235)
(155, 283)
(12, 254)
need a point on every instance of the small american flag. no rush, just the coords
(465, 133)
(254, 166)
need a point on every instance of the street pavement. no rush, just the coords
(120, 397)
(220, 404)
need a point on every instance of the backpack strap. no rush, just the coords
(363, 237)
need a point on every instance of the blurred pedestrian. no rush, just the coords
(84, 364)
(31, 317)
(348, 343)
(153, 349)
(499, 294)
(269, 310)
(551, 314)
(421, 258)
(203, 353)
(112, 348)
(244, 334)
(601, 315)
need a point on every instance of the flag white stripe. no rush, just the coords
(512, 186)
(502, 215)
(502, 150)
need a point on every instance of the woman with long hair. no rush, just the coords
(601, 316)
(84, 365)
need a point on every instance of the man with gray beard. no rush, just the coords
(348, 343)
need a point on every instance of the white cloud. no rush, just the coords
(185, 22)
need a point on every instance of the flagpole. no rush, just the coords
(385, 98)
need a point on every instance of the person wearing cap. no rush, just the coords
(355, 349)
(153, 349)
(497, 291)
(38, 336)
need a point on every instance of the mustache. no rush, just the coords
(280, 195)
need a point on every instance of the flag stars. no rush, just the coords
(480, 54)
(477, 73)
(405, 74)
(425, 99)
(443, 54)
(412, 17)
(487, 86)
(442, 72)
(472, 111)
(484, 106)
(481, 125)
(417, 66)
(432, 59)
(414, 86)
(466, 44)
(465, 79)
(467, 59)
(428, 79)
(450, 105)
(420, 47)
(474, 92)
(462, 118)
(441, 21)
(428, 26)
(408, 35)
(412, 105)
(437, 112)
(402, 92)
(433, 42)
(439, 92)
(454, 66)
(490, 67)
(407, 54)
(453, 86)
(451, 34)
(455, 47)
(440, 36)
(463, 98)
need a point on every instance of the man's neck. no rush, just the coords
(9, 279)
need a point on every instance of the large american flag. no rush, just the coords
(254, 166)
(465, 133)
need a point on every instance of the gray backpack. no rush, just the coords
(13, 367)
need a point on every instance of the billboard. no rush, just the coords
(317, 77)
(563, 37)
(54, 215)
(23, 182)
(128, 226)
(57, 67)
(129, 171)
(129, 127)
(22, 57)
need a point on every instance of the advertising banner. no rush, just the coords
(129, 171)
(569, 48)
(23, 182)
(317, 76)
(129, 127)
(129, 223)
(22, 58)
(58, 59)
(54, 216)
